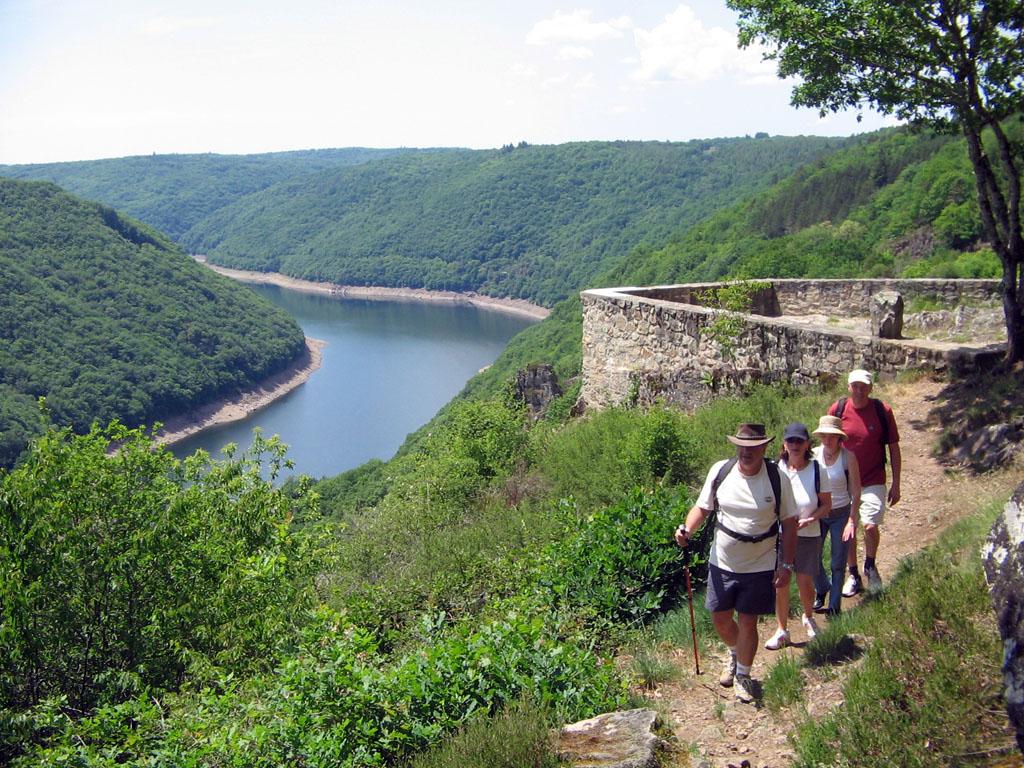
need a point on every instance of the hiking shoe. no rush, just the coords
(874, 580)
(810, 627)
(744, 689)
(779, 640)
(728, 672)
(852, 586)
(819, 602)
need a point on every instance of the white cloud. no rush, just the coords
(585, 83)
(681, 48)
(523, 70)
(574, 52)
(555, 81)
(576, 27)
(162, 26)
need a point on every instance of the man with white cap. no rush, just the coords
(870, 426)
(755, 509)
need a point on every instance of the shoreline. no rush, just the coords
(243, 404)
(519, 307)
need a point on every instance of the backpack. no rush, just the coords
(882, 419)
(776, 482)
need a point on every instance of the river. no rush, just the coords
(388, 367)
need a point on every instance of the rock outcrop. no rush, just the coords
(887, 315)
(1003, 558)
(613, 740)
(537, 386)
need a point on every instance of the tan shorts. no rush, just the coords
(872, 504)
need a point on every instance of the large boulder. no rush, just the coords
(613, 740)
(887, 315)
(1003, 558)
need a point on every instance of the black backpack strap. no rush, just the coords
(840, 407)
(883, 419)
(817, 476)
(773, 477)
(720, 478)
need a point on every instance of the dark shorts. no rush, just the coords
(751, 593)
(808, 554)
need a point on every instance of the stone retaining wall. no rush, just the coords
(644, 344)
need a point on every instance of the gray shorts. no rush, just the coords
(808, 555)
(872, 505)
(751, 593)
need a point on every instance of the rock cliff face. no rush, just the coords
(1003, 558)
(537, 386)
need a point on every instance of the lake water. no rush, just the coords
(388, 367)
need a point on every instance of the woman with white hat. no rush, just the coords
(841, 524)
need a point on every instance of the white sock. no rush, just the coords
(742, 669)
(732, 651)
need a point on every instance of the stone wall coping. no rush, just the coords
(635, 296)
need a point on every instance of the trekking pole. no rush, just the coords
(693, 622)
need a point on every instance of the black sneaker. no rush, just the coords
(819, 603)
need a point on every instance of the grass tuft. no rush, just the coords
(518, 737)
(784, 683)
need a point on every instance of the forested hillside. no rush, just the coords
(533, 222)
(106, 318)
(173, 192)
(894, 203)
(901, 205)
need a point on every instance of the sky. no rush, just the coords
(87, 79)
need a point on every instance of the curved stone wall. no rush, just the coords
(645, 344)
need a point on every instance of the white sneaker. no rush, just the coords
(852, 586)
(779, 640)
(810, 627)
(744, 689)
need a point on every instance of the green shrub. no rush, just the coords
(619, 565)
(121, 570)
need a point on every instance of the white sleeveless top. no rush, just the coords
(837, 474)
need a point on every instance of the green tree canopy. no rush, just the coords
(946, 63)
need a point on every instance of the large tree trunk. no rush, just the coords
(1000, 216)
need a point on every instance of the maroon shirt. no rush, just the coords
(864, 437)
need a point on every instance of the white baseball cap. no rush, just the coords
(859, 375)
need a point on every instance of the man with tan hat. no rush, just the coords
(870, 426)
(753, 508)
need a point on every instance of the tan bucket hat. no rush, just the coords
(830, 425)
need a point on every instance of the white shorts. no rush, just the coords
(872, 504)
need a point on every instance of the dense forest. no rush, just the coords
(173, 192)
(106, 318)
(533, 222)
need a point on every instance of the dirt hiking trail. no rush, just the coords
(726, 732)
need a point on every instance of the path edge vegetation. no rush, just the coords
(568, 519)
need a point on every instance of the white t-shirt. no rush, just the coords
(837, 474)
(806, 498)
(747, 506)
